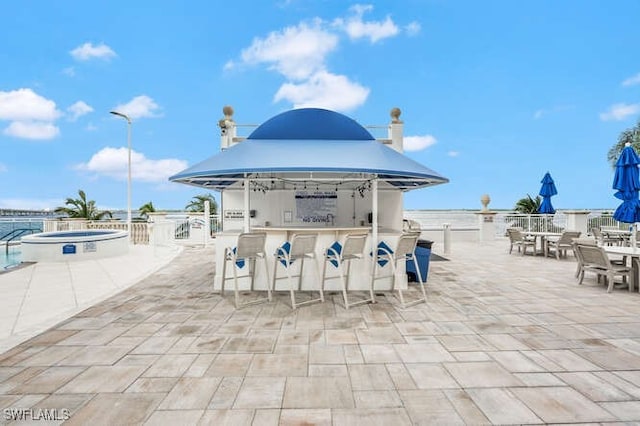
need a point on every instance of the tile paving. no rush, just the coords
(503, 339)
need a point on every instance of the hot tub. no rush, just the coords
(74, 245)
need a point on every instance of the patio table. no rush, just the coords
(543, 236)
(633, 253)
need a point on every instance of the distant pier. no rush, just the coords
(26, 213)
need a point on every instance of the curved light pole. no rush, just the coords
(126, 117)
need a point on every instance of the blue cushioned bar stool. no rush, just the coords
(339, 254)
(405, 251)
(250, 248)
(301, 247)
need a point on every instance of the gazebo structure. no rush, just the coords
(309, 169)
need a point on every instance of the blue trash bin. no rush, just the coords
(423, 253)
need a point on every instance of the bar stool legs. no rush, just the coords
(302, 247)
(338, 255)
(405, 251)
(250, 248)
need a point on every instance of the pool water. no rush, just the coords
(10, 259)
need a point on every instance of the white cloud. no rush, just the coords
(324, 90)
(88, 51)
(417, 143)
(3, 168)
(412, 28)
(295, 52)
(356, 28)
(632, 81)
(453, 153)
(112, 162)
(69, 71)
(78, 109)
(26, 105)
(539, 113)
(31, 116)
(139, 107)
(32, 130)
(619, 112)
(91, 127)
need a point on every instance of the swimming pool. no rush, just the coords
(10, 259)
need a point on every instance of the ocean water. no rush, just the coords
(10, 228)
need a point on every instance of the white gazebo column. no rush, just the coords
(486, 221)
(577, 220)
(246, 205)
(374, 216)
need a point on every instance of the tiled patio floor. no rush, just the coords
(504, 339)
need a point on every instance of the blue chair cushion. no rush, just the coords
(338, 249)
(282, 250)
(383, 245)
(239, 262)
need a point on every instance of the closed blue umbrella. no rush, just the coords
(627, 182)
(547, 190)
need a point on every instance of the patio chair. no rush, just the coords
(578, 255)
(405, 251)
(301, 247)
(249, 248)
(595, 259)
(562, 243)
(516, 238)
(605, 239)
(339, 254)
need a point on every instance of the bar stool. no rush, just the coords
(338, 255)
(405, 251)
(249, 248)
(301, 247)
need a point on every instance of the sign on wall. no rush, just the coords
(234, 214)
(316, 206)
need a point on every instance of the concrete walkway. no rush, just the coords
(40, 295)
(504, 339)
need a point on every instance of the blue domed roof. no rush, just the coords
(311, 124)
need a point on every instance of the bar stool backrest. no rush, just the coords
(251, 244)
(353, 245)
(407, 243)
(302, 244)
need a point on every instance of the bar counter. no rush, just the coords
(327, 235)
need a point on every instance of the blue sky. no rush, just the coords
(493, 94)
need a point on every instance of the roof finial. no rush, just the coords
(395, 115)
(227, 110)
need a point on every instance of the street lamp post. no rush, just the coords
(126, 117)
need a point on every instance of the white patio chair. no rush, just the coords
(561, 244)
(595, 259)
(339, 254)
(605, 239)
(405, 251)
(250, 247)
(517, 238)
(301, 247)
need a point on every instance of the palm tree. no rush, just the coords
(81, 208)
(528, 205)
(631, 136)
(145, 209)
(197, 203)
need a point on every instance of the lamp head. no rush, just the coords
(119, 114)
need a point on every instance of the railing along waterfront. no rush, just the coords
(466, 221)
